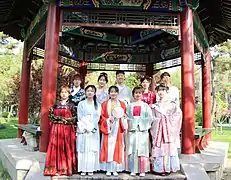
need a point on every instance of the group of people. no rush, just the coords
(115, 130)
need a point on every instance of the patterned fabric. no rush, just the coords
(165, 132)
(79, 96)
(149, 98)
(165, 164)
(102, 95)
(61, 156)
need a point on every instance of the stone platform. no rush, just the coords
(23, 164)
(102, 176)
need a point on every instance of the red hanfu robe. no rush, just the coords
(61, 153)
(106, 130)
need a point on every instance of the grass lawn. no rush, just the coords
(224, 137)
(10, 131)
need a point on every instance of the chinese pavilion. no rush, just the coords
(93, 34)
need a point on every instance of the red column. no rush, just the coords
(206, 91)
(49, 71)
(188, 85)
(24, 89)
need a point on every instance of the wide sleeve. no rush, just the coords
(149, 115)
(97, 116)
(129, 117)
(174, 120)
(81, 128)
(104, 123)
(123, 120)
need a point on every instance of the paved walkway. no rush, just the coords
(227, 172)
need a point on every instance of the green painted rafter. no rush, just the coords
(199, 31)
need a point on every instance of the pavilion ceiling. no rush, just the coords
(16, 16)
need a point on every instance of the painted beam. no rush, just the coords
(150, 33)
(126, 26)
(35, 24)
(146, 5)
(200, 36)
(88, 33)
(145, 35)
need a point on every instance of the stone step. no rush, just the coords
(102, 176)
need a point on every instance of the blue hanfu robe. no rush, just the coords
(88, 141)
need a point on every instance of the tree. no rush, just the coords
(10, 66)
(221, 76)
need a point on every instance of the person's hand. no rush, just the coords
(112, 119)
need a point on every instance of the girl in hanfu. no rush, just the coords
(77, 93)
(139, 122)
(61, 154)
(102, 92)
(112, 128)
(88, 141)
(165, 130)
(148, 96)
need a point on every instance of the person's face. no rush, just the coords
(145, 84)
(138, 95)
(161, 93)
(90, 92)
(102, 82)
(120, 78)
(64, 94)
(77, 82)
(113, 94)
(166, 79)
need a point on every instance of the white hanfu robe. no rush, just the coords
(165, 130)
(138, 137)
(88, 141)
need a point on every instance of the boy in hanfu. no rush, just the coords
(139, 116)
(77, 93)
(165, 131)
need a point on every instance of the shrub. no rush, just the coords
(199, 115)
(6, 114)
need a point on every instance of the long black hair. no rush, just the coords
(94, 97)
(162, 86)
(103, 74)
(113, 87)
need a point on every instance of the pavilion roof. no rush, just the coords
(16, 16)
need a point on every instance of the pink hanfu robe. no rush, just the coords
(112, 144)
(139, 122)
(165, 132)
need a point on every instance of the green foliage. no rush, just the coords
(132, 80)
(10, 131)
(92, 78)
(199, 115)
(3, 173)
(176, 78)
(221, 108)
(6, 114)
